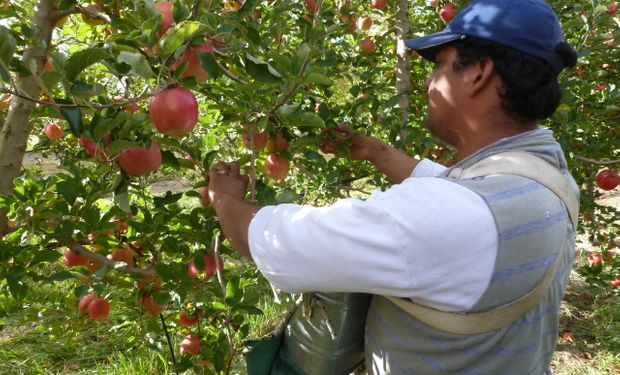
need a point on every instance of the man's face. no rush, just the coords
(444, 89)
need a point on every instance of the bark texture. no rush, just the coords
(403, 73)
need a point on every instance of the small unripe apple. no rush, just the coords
(367, 45)
(53, 131)
(190, 345)
(447, 12)
(99, 309)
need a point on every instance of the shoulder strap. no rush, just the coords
(514, 163)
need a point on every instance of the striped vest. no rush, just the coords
(532, 224)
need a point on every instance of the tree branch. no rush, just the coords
(76, 247)
(597, 162)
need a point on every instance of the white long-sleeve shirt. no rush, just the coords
(426, 238)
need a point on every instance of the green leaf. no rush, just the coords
(261, 70)
(74, 118)
(175, 37)
(16, 283)
(138, 63)
(60, 276)
(51, 79)
(307, 119)
(120, 145)
(81, 60)
(234, 293)
(208, 63)
(122, 201)
(289, 109)
(319, 79)
(7, 49)
(169, 198)
(70, 190)
(46, 255)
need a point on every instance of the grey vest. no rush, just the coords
(532, 224)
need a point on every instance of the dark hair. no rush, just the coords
(531, 88)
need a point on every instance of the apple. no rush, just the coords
(378, 4)
(367, 45)
(187, 320)
(607, 179)
(595, 260)
(364, 23)
(93, 148)
(165, 8)
(53, 131)
(232, 5)
(602, 86)
(149, 305)
(120, 224)
(5, 101)
(89, 20)
(432, 3)
(276, 167)
(194, 66)
(312, 6)
(93, 266)
(174, 111)
(277, 143)
(137, 161)
(121, 254)
(260, 140)
(85, 302)
(205, 201)
(447, 12)
(190, 345)
(131, 107)
(99, 308)
(612, 8)
(615, 282)
(73, 259)
(209, 264)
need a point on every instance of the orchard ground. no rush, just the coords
(588, 342)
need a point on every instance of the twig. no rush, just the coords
(596, 162)
(388, 32)
(163, 324)
(293, 89)
(230, 75)
(76, 247)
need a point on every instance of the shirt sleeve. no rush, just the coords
(427, 239)
(427, 168)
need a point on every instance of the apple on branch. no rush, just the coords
(174, 111)
(607, 179)
(447, 12)
(137, 161)
(53, 131)
(276, 167)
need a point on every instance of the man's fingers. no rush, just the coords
(220, 167)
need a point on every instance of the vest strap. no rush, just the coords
(513, 163)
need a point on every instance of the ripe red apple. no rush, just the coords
(612, 8)
(165, 8)
(602, 86)
(367, 45)
(312, 6)
(277, 143)
(73, 259)
(607, 179)
(364, 23)
(95, 149)
(53, 131)
(122, 255)
(85, 302)
(136, 161)
(99, 309)
(187, 320)
(276, 167)
(190, 345)
(595, 260)
(149, 305)
(432, 2)
(447, 12)
(615, 282)
(174, 111)
(260, 140)
(205, 201)
(209, 263)
(194, 66)
(378, 4)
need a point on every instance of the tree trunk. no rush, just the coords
(403, 73)
(17, 127)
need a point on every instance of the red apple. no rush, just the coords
(612, 8)
(447, 12)
(312, 6)
(194, 66)
(378, 4)
(432, 2)
(607, 179)
(602, 86)
(615, 282)
(174, 111)
(277, 143)
(232, 5)
(205, 201)
(53, 131)
(95, 149)
(190, 345)
(99, 309)
(276, 167)
(131, 107)
(364, 23)
(149, 305)
(136, 161)
(73, 259)
(209, 264)
(85, 302)
(187, 320)
(122, 255)
(367, 45)
(165, 8)
(595, 260)
(260, 140)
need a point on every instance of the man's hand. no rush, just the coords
(225, 179)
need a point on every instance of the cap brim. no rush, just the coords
(425, 45)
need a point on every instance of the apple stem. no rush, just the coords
(174, 360)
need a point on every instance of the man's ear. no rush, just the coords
(481, 75)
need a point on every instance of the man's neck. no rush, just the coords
(489, 133)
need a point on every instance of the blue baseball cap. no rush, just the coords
(529, 26)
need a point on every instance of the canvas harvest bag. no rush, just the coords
(329, 340)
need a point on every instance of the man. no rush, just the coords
(455, 245)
